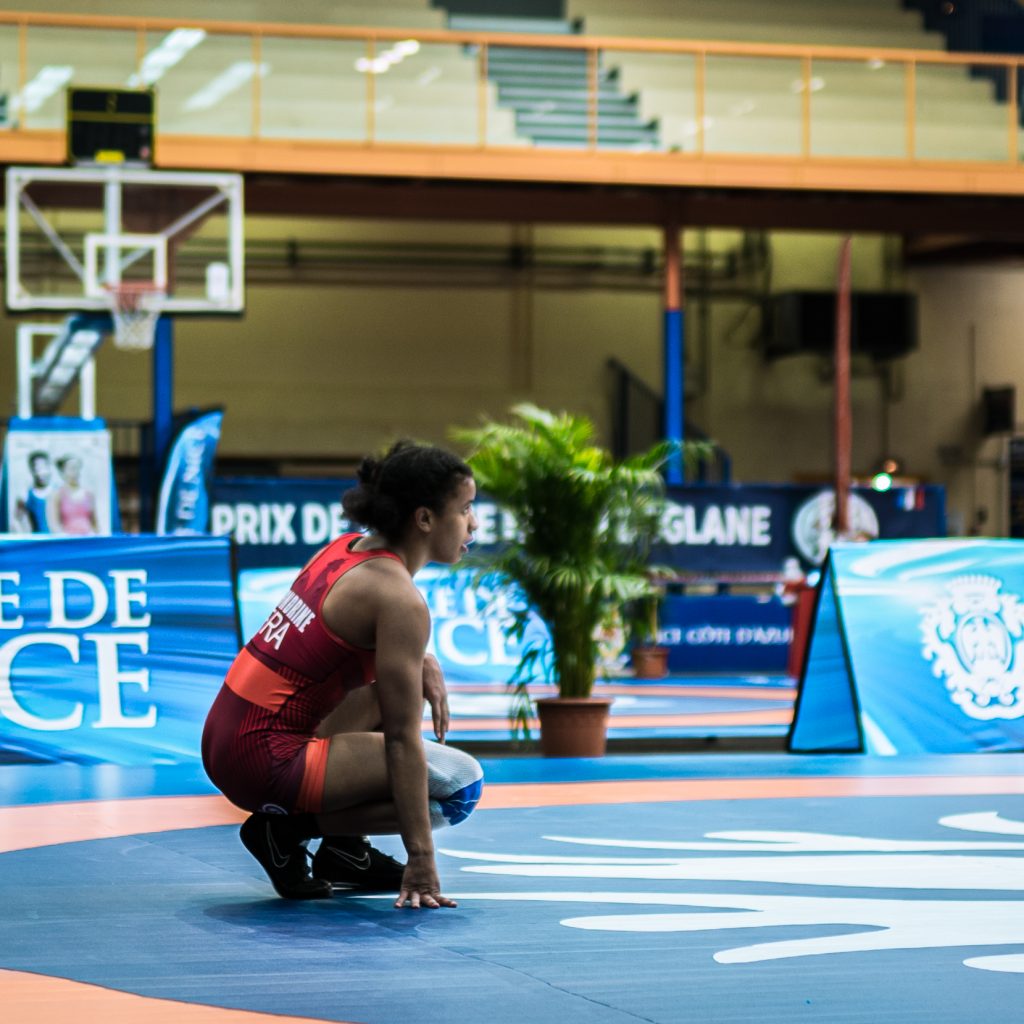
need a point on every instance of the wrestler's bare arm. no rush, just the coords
(403, 628)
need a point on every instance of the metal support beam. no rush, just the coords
(843, 425)
(674, 351)
(163, 415)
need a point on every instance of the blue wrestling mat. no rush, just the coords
(662, 889)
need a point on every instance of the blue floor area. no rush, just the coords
(676, 707)
(654, 712)
(827, 906)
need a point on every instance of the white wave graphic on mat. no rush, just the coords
(799, 859)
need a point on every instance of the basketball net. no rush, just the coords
(135, 308)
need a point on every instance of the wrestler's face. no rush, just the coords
(452, 529)
(40, 469)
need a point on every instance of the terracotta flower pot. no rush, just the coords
(573, 726)
(650, 662)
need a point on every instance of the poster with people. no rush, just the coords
(58, 481)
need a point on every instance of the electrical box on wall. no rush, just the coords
(883, 325)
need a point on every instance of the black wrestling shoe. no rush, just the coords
(352, 862)
(285, 859)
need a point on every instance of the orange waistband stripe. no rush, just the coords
(253, 681)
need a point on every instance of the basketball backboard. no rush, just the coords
(74, 233)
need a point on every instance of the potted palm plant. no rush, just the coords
(575, 560)
(650, 658)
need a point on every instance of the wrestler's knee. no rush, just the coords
(454, 784)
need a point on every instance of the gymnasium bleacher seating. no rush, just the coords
(753, 104)
(309, 88)
(313, 88)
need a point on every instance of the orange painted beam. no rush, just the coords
(406, 161)
(588, 166)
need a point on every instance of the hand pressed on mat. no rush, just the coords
(420, 885)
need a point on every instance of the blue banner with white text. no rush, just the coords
(917, 647)
(112, 649)
(725, 633)
(750, 528)
(277, 521)
(469, 618)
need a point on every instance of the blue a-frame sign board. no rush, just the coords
(826, 715)
(917, 647)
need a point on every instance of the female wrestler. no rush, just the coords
(317, 728)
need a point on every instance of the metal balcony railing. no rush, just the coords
(351, 99)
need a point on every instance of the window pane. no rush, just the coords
(648, 100)
(960, 116)
(858, 108)
(208, 89)
(425, 93)
(313, 89)
(9, 74)
(753, 105)
(60, 57)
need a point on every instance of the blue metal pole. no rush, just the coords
(163, 414)
(674, 418)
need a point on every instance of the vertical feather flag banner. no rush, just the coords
(184, 503)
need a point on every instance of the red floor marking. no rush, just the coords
(551, 794)
(708, 718)
(48, 824)
(36, 999)
(23, 828)
(681, 691)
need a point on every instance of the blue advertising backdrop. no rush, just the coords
(743, 632)
(468, 617)
(708, 529)
(278, 524)
(112, 649)
(918, 647)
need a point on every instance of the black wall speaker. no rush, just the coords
(998, 410)
(882, 324)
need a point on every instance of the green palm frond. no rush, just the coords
(586, 525)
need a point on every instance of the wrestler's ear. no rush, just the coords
(423, 517)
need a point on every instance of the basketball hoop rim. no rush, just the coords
(127, 296)
(119, 288)
(135, 307)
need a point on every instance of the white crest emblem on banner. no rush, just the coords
(974, 638)
(812, 529)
